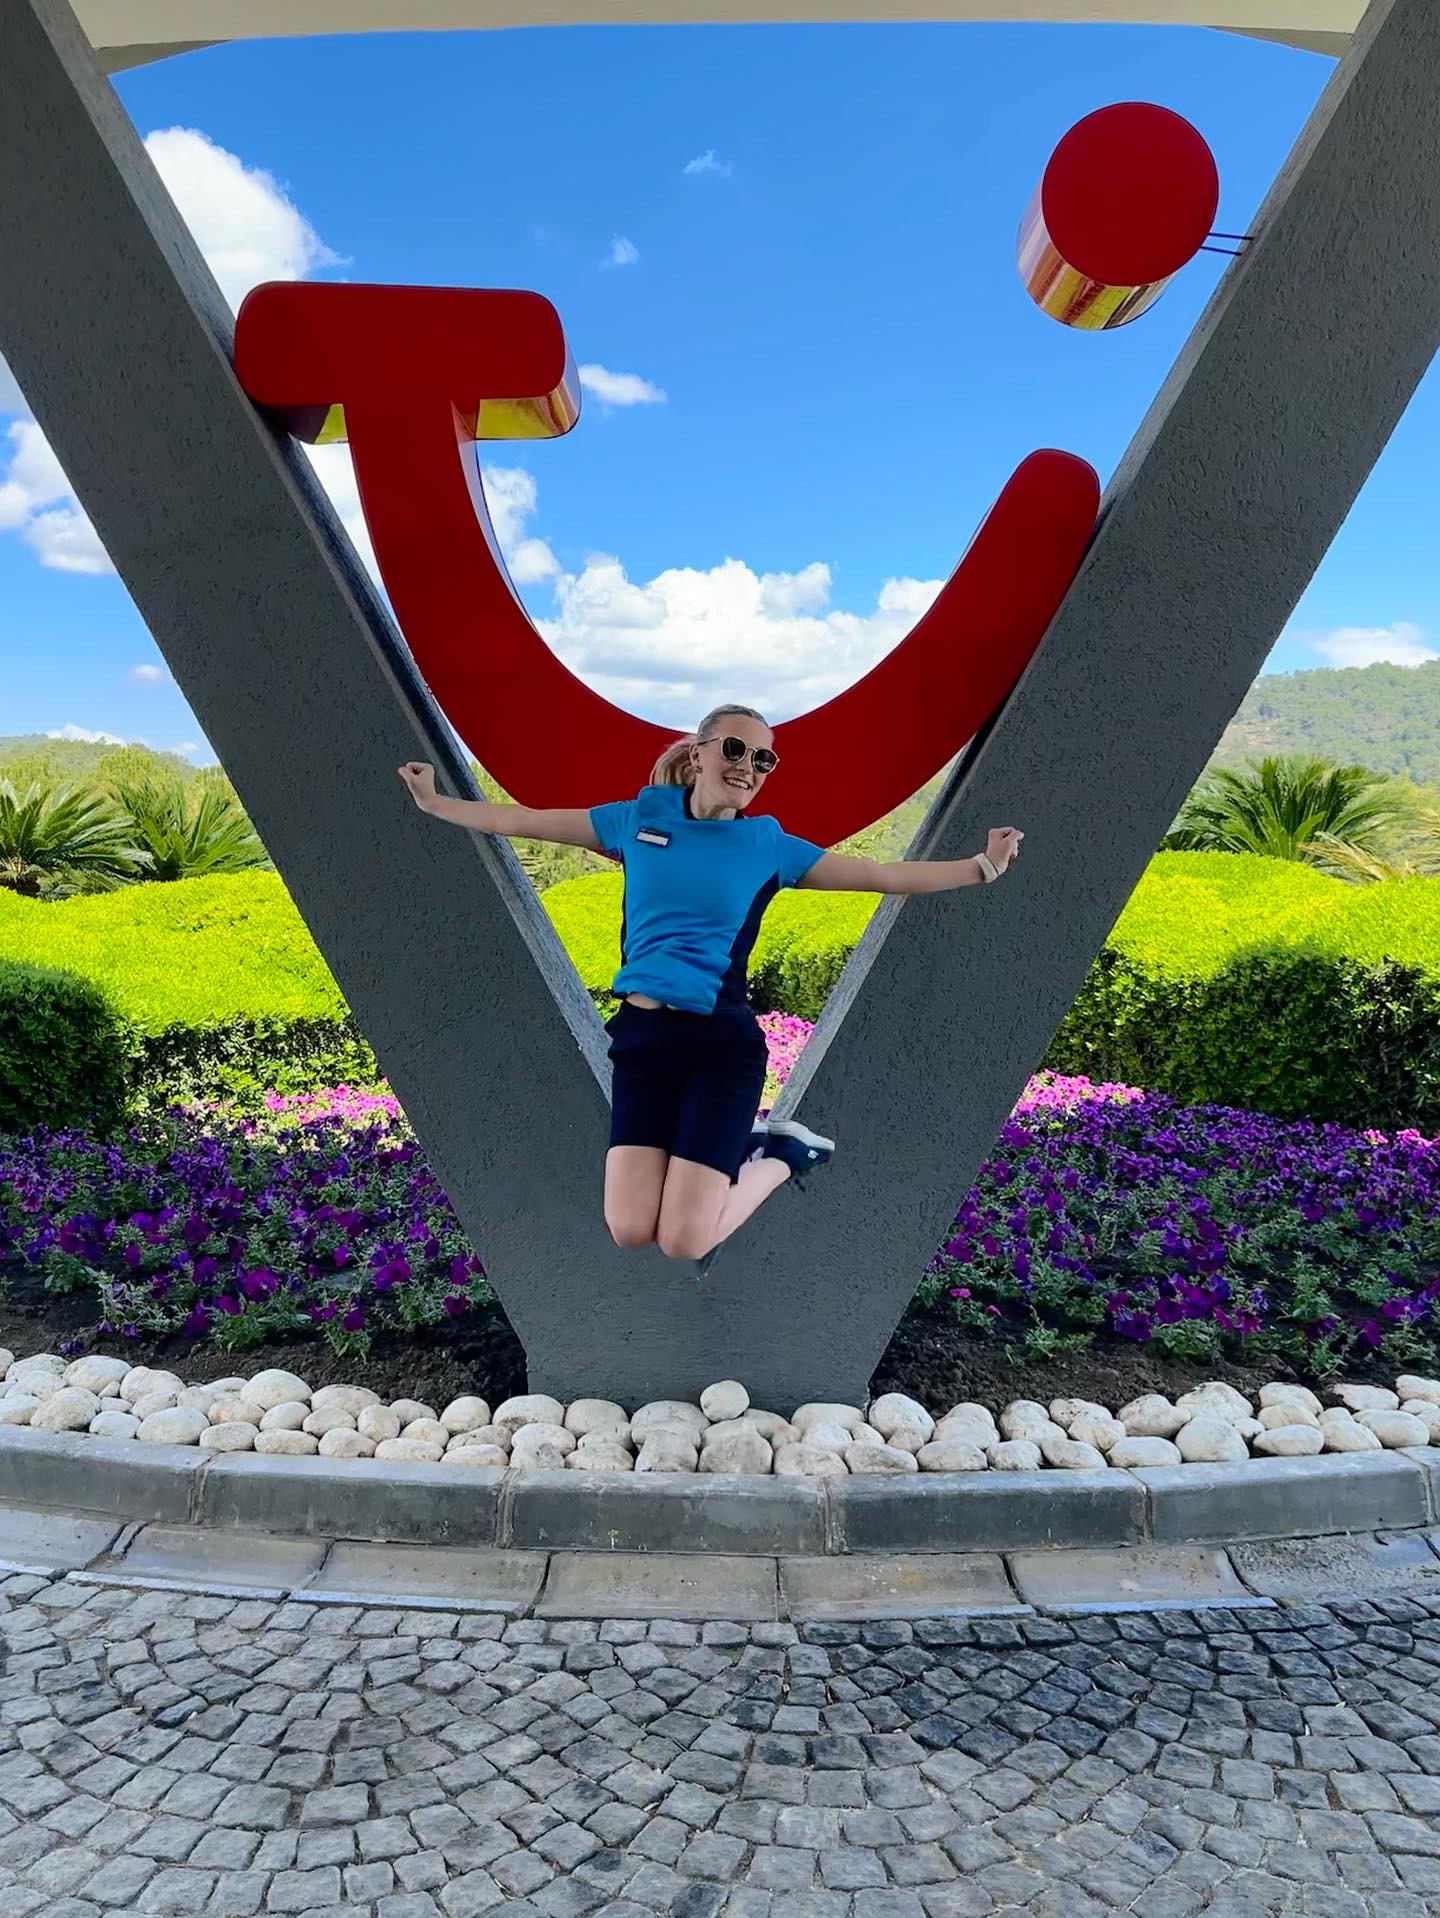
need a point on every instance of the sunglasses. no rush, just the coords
(734, 751)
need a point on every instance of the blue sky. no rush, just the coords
(834, 367)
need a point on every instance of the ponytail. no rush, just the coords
(673, 767)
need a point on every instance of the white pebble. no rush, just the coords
(141, 1380)
(1209, 1441)
(1066, 1411)
(329, 1418)
(543, 1456)
(1215, 1399)
(907, 1435)
(114, 1425)
(1014, 1455)
(1393, 1429)
(343, 1398)
(17, 1408)
(232, 1435)
(70, 1410)
(465, 1415)
(529, 1408)
(228, 1411)
(230, 1388)
(767, 1424)
(1366, 1398)
(1282, 1392)
(1021, 1416)
(416, 1451)
(7, 1359)
(1409, 1385)
(1344, 1435)
(1070, 1455)
(490, 1458)
(286, 1444)
(965, 1425)
(726, 1399)
(1282, 1412)
(275, 1387)
(601, 1455)
(174, 1426)
(827, 1437)
(741, 1451)
(594, 1415)
(893, 1410)
(666, 1451)
(1428, 1413)
(94, 1374)
(530, 1438)
(288, 1416)
(343, 1441)
(1152, 1416)
(376, 1423)
(662, 1415)
(864, 1459)
(428, 1431)
(151, 1402)
(408, 1410)
(608, 1435)
(809, 1461)
(1134, 1453)
(821, 1412)
(950, 1455)
(1103, 1433)
(1290, 1441)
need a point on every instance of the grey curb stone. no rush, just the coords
(321, 1498)
(989, 1513)
(967, 1512)
(670, 1512)
(102, 1476)
(1286, 1497)
(53, 1541)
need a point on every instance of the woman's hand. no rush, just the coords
(1002, 846)
(420, 778)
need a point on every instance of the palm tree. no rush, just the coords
(64, 833)
(1291, 806)
(1419, 858)
(189, 835)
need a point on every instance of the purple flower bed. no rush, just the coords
(1102, 1212)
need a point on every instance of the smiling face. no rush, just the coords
(719, 783)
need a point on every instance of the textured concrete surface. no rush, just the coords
(165, 1754)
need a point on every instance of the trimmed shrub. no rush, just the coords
(64, 1053)
(215, 984)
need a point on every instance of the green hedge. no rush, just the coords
(1226, 980)
(203, 988)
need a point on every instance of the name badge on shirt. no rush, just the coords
(650, 836)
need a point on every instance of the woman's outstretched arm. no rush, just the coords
(566, 826)
(837, 872)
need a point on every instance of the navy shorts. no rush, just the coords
(687, 1082)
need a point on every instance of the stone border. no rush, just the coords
(752, 1516)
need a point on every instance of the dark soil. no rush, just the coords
(931, 1356)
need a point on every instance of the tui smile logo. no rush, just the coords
(413, 377)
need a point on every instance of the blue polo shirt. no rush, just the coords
(695, 892)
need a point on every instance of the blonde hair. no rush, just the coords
(673, 767)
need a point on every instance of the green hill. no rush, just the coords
(1384, 717)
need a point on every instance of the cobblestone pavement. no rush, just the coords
(169, 1754)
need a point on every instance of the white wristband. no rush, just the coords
(988, 870)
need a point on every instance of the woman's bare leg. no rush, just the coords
(634, 1183)
(699, 1207)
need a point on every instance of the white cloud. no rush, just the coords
(149, 675)
(248, 231)
(619, 389)
(92, 738)
(242, 219)
(623, 252)
(1402, 644)
(706, 162)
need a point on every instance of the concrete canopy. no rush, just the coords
(127, 33)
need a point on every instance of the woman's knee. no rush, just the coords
(629, 1230)
(685, 1238)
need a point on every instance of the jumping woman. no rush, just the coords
(688, 1160)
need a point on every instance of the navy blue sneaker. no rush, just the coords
(801, 1149)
